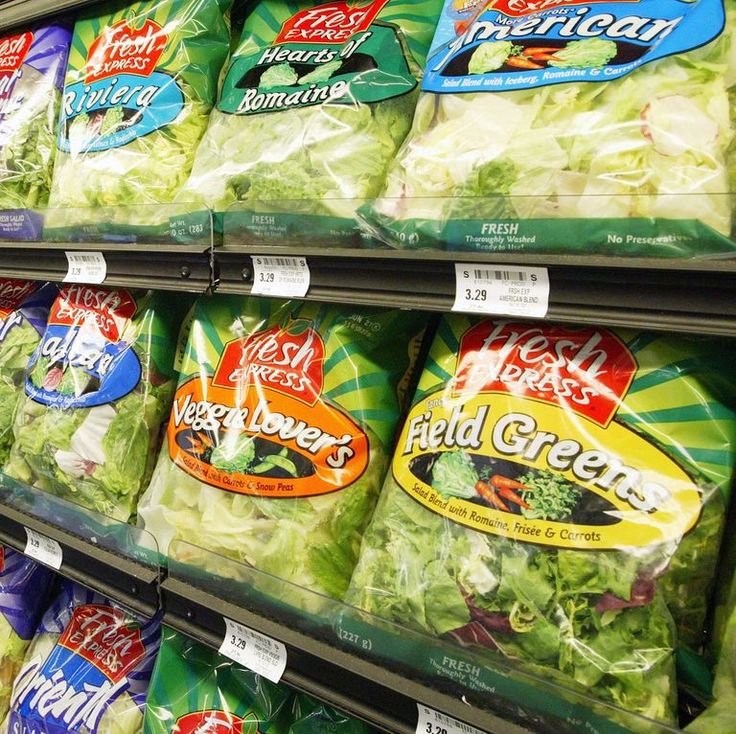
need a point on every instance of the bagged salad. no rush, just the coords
(141, 80)
(557, 496)
(314, 105)
(24, 308)
(97, 390)
(310, 716)
(603, 128)
(195, 689)
(32, 76)
(24, 588)
(280, 433)
(87, 669)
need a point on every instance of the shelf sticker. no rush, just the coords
(86, 267)
(287, 277)
(43, 549)
(430, 721)
(501, 291)
(260, 654)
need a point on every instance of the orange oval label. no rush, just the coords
(259, 441)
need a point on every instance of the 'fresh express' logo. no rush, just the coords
(216, 722)
(105, 637)
(106, 310)
(588, 370)
(72, 687)
(288, 360)
(329, 23)
(123, 48)
(13, 293)
(13, 50)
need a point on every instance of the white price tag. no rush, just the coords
(43, 549)
(280, 276)
(501, 290)
(86, 267)
(263, 655)
(433, 722)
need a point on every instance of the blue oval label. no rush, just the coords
(113, 111)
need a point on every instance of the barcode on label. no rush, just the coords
(85, 258)
(281, 262)
(280, 276)
(493, 289)
(430, 721)
(501, 275)
(85, 267)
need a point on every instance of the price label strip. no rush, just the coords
(501, 291)
(430, 721)
(263, 655)
(287, 277)
(85, 267)
(43, 549)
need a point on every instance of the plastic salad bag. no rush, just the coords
(24, 308)
(87, 669)
(97, 390)
(315, 103)
(195, 689)
(33, 64)
(310, 716)
(141, 80)
(280, 433)
(598, 128)
(557, 495)
(24, 587)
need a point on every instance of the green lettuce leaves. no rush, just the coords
(310, 132)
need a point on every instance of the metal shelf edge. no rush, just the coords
(132, 584)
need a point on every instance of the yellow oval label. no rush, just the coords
(514, 467)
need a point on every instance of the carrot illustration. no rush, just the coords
(521, 62)
(543, 57)
(195, 445)
(206, 440)
(511, 496)
(536, 50)
(501, 482)
(488, 493)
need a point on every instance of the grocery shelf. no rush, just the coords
(102, 554)
(695, 295)
(129, 265)
(382, 697)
